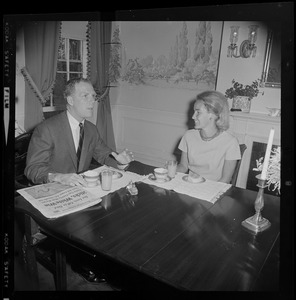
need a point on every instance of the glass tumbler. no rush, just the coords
(106, 180)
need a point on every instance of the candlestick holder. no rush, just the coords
(257, 223)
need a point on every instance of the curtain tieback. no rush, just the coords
(101, 97)
(32, 84)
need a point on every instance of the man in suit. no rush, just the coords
(54, 146)
(52, 151)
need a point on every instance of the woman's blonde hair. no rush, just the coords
(216, 103)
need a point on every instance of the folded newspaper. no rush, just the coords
(54, 200)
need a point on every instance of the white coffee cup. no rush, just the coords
(160, 174)
(91, 177)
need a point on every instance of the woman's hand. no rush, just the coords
(125, 157)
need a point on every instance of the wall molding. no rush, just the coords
(257, 117)
(152, 135)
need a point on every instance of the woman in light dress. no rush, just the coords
(209, 150)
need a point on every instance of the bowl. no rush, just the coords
(91, 177)
(161, 174)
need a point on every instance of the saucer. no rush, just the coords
(185, 178)
(153, 178)
(93, 185)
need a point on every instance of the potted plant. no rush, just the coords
(242, 95)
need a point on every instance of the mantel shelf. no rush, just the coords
(256, 117)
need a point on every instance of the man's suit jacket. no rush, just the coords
(52, 149)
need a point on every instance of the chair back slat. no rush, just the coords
(243, 148)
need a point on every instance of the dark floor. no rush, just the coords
(74, 281)
(46, 281)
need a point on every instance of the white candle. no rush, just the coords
(267, 154)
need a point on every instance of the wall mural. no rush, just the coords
(166, 54)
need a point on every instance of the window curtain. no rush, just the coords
(41, 42)
(98, 39)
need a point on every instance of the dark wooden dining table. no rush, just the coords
(161, 239)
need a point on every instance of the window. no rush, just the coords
(71, 64)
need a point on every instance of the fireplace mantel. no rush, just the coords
(255, 117)
(249, 128)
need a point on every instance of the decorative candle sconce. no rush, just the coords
(247, 47)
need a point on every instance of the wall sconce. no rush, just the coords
(247, 47)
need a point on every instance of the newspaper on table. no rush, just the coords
(54, 200)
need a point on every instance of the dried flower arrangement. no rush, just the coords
(273, 169)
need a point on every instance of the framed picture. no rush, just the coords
(166, 54)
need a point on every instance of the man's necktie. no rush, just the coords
(80, 144)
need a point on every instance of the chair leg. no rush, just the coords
(29, 254)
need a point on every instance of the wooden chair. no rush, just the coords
(242, 147)
(36, 246)
(21, 147)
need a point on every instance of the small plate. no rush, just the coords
(153, 178)
(185, 178)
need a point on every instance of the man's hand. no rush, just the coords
(125, 157)
(68, 179)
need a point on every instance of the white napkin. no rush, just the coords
(208, 190)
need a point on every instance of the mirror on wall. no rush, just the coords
(271, 74)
